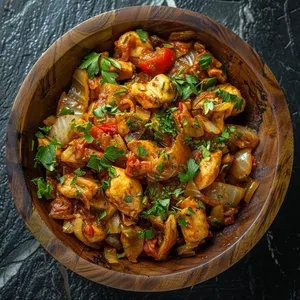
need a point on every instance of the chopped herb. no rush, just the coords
(111, 153)
(208, 105)
(62, 179)
(120, 92)
(142, 34)
(201, 205)
(74, 180)
(112, 172)
(85, 128)
(39, 135)
(91, 63)
(178, 192)
(142, 151)
(148, 234)
(44, 189)
(227, 97)
(192, 170)
(159, 208)
(205, 153)
(100, 111)
(109, 77)
(119, 255)
(223, 167)
(78, 192)
(191, 211)
(238, 135)
(101, 216)
(45, 129)
(79, 172)
(160, 168)
(139, 194)
(165, 123)
(207, 84)
(105, 184)
(220, 196)
(46, 155)
(205, 61)
(184, 121)
(65, 111)
(32, 145)
(182, 222)
(126, 246)
(128, 199)
(167, 46)
(196, 122)
(216, 222)
(163, 85)
(106, 62)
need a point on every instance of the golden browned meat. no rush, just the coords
(123, 193)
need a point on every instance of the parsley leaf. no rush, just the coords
(111, 153)
(101, 216)
(45, 129)
(142, 151)
(208, 105)
(182, 222)
(142, 34)
(85, 128)
(205, 153)
(204, 61)
(44, 189)
(65, 111)
(73, 181)
(128, 199)
(207, 84)
(100, 111)
(159, 208)
(227, 97)
(191, 211)
(79, 172)
(167, 46)
(192, 170)
(106, 62)
(148, 234)
(109, 77)
(91, 63)
(160, 168)
(46, 155)
(120, 92)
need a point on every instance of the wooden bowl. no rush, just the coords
(266, 111)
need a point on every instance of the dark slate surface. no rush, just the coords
(270, 271)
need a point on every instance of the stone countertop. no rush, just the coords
(270, 271)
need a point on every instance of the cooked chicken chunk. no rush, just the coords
(145, 150)
(122, 193)
(82, 188)
(155, 93)
(209, 170)
(196, 228)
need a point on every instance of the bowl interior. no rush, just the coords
(51, 78)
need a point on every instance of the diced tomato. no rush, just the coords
(109, 127)
(96, 132)
(180, 107)
(157, 62)
(88, 229)
(149, 248)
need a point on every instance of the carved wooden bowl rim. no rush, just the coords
(66, 255)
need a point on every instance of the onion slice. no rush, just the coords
(242, 164)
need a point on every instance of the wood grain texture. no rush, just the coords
(266, 111)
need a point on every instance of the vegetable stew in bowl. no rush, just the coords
(143, 157)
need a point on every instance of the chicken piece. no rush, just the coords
(181, 48)
(78, 96)
(100, 203)
(155, 93)
(61, 208)
(122, 193)
(83, 188)
(170, 236)
(196, 229)
(126, 72)
(130, 46)
(107, 95)
(144, 150)
(209, 170)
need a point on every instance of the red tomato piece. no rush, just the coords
(108, 127)
(88, 229)
(157, 62)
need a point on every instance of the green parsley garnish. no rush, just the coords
(46, 155)
(192, 170)
(159, 208)
(205, 61)
(44, 189)
(91, 63)
(79, 172)
(191, 211)
(142, 151)
(101, 216)
(160, 168)
(120, 92)
(85, 128)
(142, 34)
(128, 199)
(65, 111)
(208, 105)
(227, 97)
(148, 234)
(167, 46)
(100, 111)
(182, 222)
